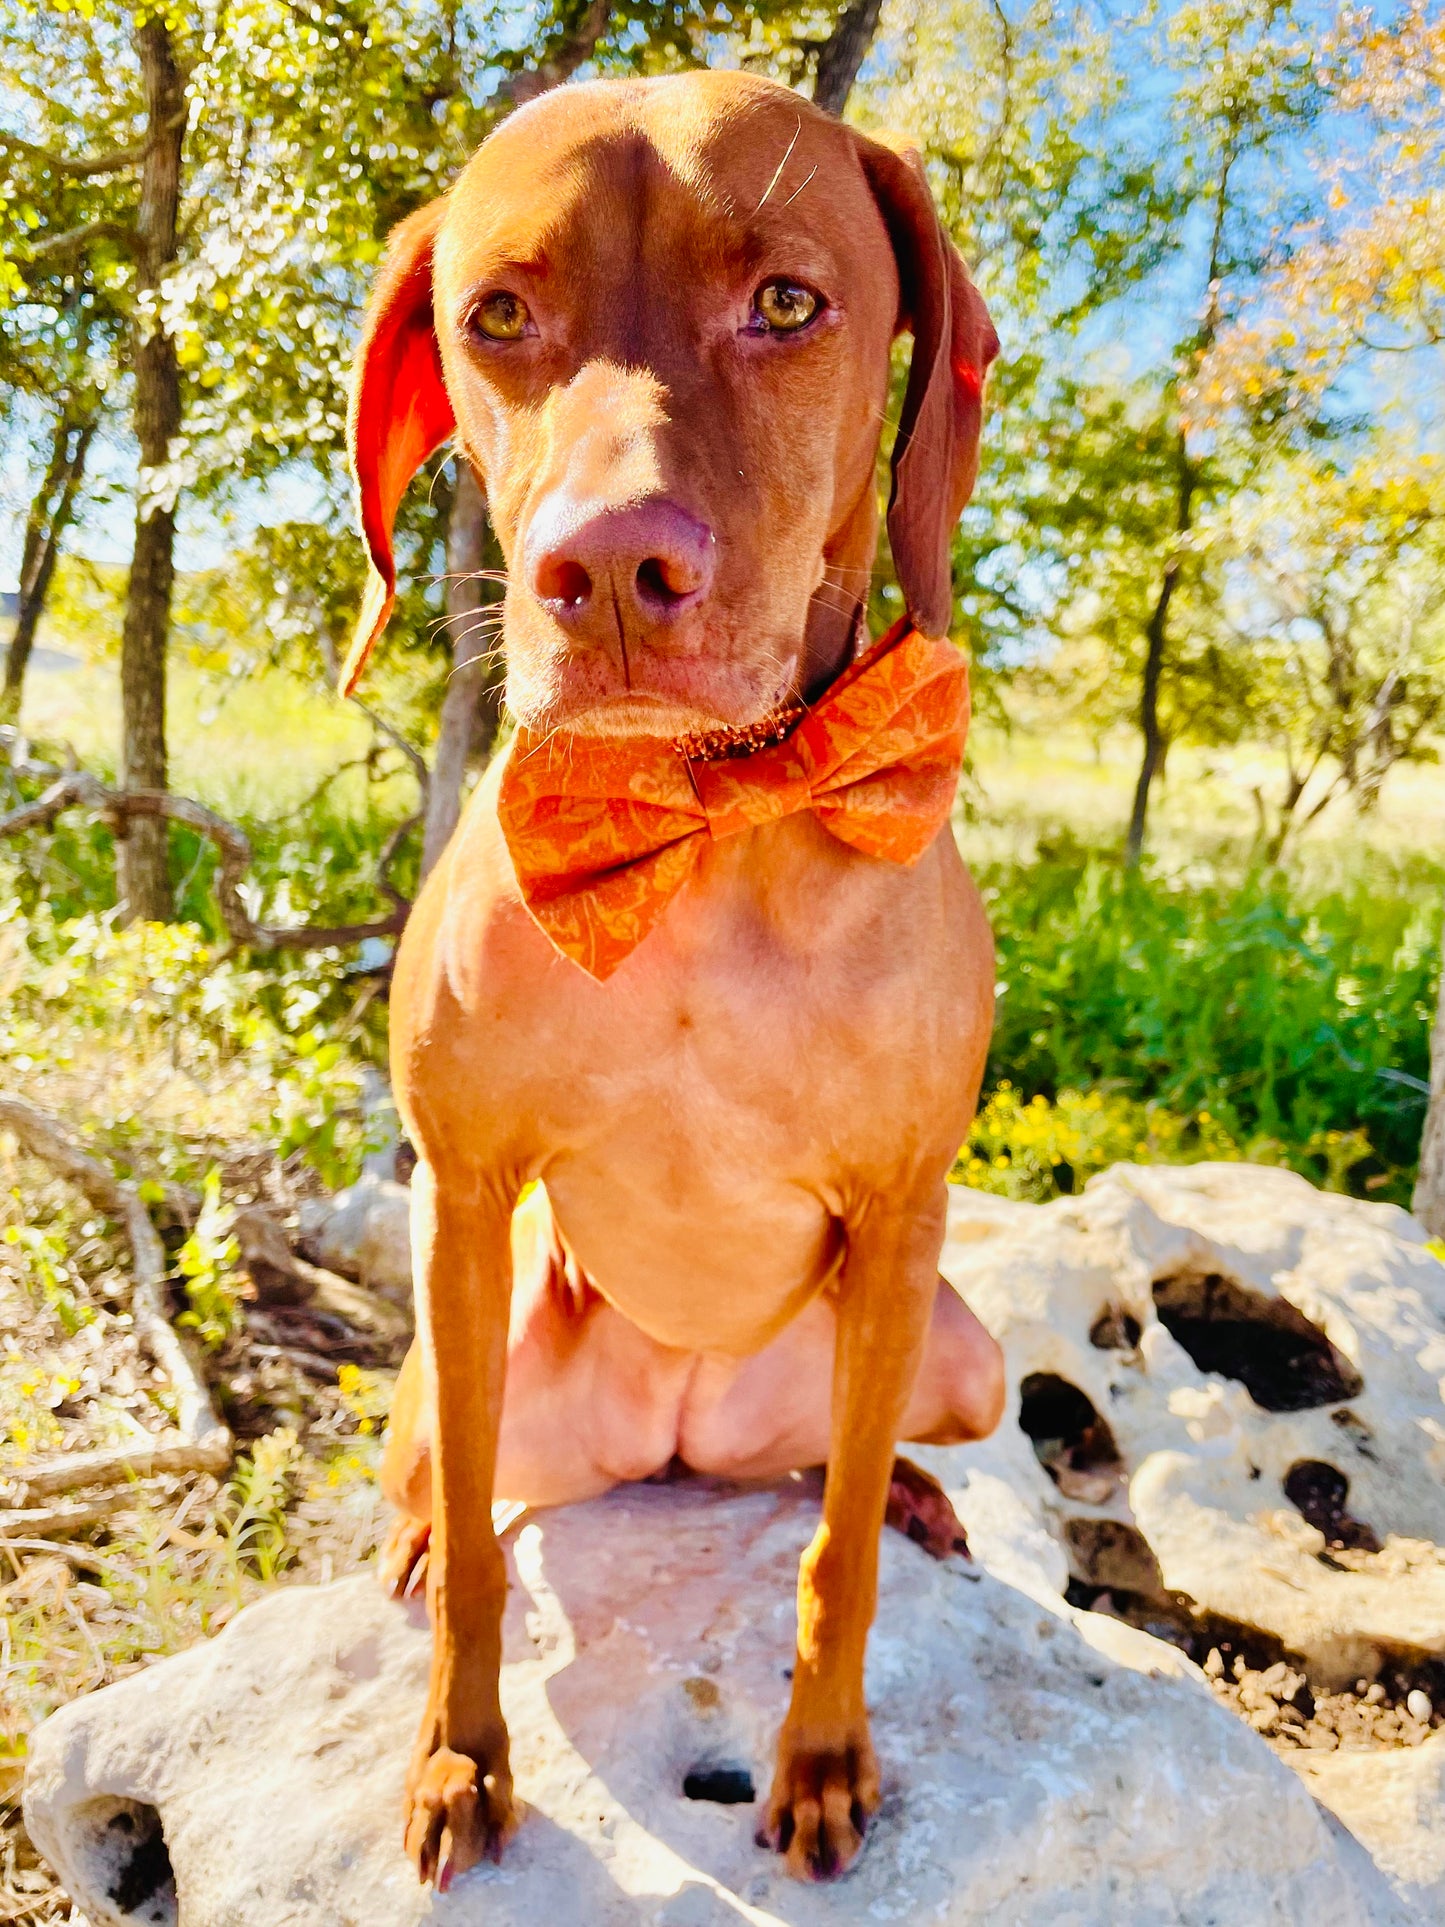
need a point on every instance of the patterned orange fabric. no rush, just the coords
(604, 831)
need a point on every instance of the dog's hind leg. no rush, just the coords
(590, 1401)
(772, 1413)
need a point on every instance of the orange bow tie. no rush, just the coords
(604, 831)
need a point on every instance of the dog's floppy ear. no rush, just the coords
(400, 412)
(935, 456)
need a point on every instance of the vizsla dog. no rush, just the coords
(657, 319)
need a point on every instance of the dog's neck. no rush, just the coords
(831, 641)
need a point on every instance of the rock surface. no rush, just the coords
(1394, 1805)
(1032, 1779)
(1225, 1396)
(1257, 1487)
(364, 1232)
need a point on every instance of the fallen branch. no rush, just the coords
(51, 1522)
(77, 788)
(204, 1443)
(112, 1465)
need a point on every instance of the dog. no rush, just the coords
(657, 317)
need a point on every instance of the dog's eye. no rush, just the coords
(503, 316)
(782, 307)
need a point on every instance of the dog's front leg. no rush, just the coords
(459, 1788)
(825, 1787)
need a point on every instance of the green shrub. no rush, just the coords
(1299, 1029)
(1034, 1149)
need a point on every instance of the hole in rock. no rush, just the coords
(1318, 1493)
(1282, 1360)
(723, 1784)
(1113, 1556)
(125, 1858)
(1070, 1440)
(1114, 1330)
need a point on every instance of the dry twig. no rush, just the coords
(204, 1443)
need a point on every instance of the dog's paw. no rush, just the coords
(820, 1806)
(919, 1507)
(402, 1563)
(457, 1815)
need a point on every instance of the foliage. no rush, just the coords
(46, 1267)
(206, 1263)
(254, 1511)
(1032, 1150)
(1282, 1023)
(1362, 275)
(1344, 622)
(176, 1055)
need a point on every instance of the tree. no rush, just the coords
(52, 509)
(58, 337)
(145, 885)
(841, 55)
(1014, 110)
(1082, 207)
(1359, 288)
(1247, 81)
(1360, 283)
(140, 90)
(1342, 615)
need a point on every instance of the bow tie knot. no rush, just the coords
(603, 832)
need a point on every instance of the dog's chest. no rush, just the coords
(782, 1040)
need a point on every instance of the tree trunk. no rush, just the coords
(144, 878)
(49, 517)
(471, 705)
(578, 42)
(1429, 1200)
(843, 53)
(1157, 640)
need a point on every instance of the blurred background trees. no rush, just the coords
(1209, 519)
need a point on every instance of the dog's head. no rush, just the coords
(657, 316)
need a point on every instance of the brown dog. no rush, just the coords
(657, 317)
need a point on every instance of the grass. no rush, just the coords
(1284, 1013)
(255, 746)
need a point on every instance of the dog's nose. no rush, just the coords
(644, 565)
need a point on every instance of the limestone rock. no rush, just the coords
(1394, 1804)
(364, 1232)
(1233, 1382)
(1030, 1780)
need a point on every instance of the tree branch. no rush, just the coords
(79, 789)
(205, 1443)
(78, 237)
(843, 53)
(86, 166)
(562, 62)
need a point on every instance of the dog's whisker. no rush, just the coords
(492, 613)
(797, 132)
(801, 185)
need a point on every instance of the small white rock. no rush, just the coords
(1418, 1706)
